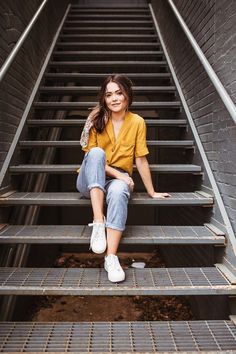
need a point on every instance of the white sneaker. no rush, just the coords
(113, 268)
(98, 241)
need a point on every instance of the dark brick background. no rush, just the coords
(212, 23)
(17, 85)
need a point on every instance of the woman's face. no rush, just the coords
(115, 99)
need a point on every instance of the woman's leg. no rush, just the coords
(91, 183)
(117, 199)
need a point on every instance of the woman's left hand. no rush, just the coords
(160, 195)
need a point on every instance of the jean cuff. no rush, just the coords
(96, 185)
(115, 227)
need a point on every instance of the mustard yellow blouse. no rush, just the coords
(130, 143)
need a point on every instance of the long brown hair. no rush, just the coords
(125, 85)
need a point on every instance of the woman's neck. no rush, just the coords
(118, 116)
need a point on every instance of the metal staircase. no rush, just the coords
(95, 42)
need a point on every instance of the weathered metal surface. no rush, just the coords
(73, 168)
(76, 143)
(110, 337)
(135, 234)
(92, 281)
(80, 122)
(50, 198)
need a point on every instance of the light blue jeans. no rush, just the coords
(92, 174)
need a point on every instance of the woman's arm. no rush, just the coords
(113, 172)
(144, 171)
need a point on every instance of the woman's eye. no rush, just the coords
(119, 93)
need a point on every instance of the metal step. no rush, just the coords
(187, 144)
(109, 23)
(113, 63)
(105, 46)
(108, 17)
(111, 55)
(86, 105)
(108, 5)
(111, 11)
(80, 122)
(135, 234)
(93, 281)
(75, 198)
(97, 78)
(61, 90)
(110, 38)
(116, 337)
(117, 66)
(115, 30)
(68, 169)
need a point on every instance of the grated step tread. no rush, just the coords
(76, 143)
(81, 122)
(101, 76)
(105, 15)
(111, 35)
(87, 105)
(134, 234)
(95, 89)
(94, 281)
(75, 198)
(93, 29)
(106, 45)
(165, 168)
(109, 337)
(105, 63)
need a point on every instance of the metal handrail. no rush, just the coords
(20, 127)
(20, 42)
(206, 163)
(229, 104)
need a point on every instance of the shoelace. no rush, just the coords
(96, 233)
(114, 263)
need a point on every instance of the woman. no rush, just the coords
(113, 138)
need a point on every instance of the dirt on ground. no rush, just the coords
(109, 308)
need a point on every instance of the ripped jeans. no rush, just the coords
(92, 174)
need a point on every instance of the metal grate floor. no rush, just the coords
(110, 337)
(135, 234)
(49, 199)
(94, 281)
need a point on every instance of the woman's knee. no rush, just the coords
(118, 191)
(97, 153)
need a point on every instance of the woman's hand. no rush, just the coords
(160, 195)
(128, 180)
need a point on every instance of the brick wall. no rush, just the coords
(16, 86)
(212, 23)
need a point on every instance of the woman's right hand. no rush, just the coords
(128, 180)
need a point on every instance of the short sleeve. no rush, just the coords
(92, 140)
(141, 144)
